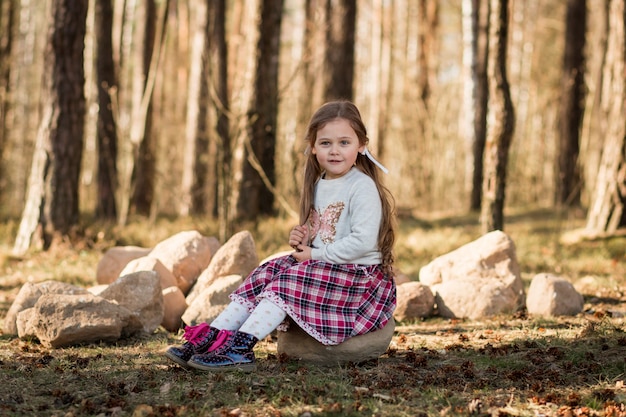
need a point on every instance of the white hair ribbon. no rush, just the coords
(371, 158)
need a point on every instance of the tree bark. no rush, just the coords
(480, 51)
(594, 128)
(52, 200)
(571, 111)
(219, 151)
(257, 193)
(8, 12)
(607, 213)
(428, 15)
(500, 121)
(106, 126)
(136, 160)
(475, 93)
(144, 169)
(243, 59)
(339, 60)
(195, 147)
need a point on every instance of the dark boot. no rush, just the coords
(235, 353)
(199, 340)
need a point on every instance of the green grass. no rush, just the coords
(509, 365)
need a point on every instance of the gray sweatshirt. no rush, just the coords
(345, 221)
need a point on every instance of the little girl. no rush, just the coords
(338, 283)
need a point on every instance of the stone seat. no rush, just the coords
(295, 343)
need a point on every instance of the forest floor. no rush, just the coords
(501, 366)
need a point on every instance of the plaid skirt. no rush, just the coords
(330, 302)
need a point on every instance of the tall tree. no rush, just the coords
(339, 60)
(219, 124)
(571, 110)
(106, 128)
(141, 49)
(500, 120)
(594, 128)
(428, 23)
(195, 143)
(473, 126)
(52, 201)
(144, 169)
(242, 64)
(480, 50)
(8, 11)
(607, 210)
(257, 186)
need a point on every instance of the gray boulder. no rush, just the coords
(295, 343)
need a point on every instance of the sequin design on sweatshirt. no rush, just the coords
(325, 223)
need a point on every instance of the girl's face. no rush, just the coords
(336, 148)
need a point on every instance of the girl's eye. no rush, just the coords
(345, 142)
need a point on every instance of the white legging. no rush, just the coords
(260, 323)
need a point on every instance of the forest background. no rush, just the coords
(177, 108)
(153, 117)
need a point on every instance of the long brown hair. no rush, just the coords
(312, 171)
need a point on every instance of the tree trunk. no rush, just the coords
(219, 132)
(480, 51)
(568, 187)
(313, 91)
(474, 109)
(136, 159)
(106, 129)
(339, 61)
(381, 64)
(594, 128)
(500, 121)
(8, 12)
(53, 185)
(428, 15)
(607, 213)
(194, 145)
(243, 60)
(257, 187)
(145, 164)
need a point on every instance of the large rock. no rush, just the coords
(552, 295)
(174, 306)
(141, 294)
(186, 255)
(149, 263)
(295, 343)
(115, 259)
(476, 298)
(28, 296)
(210, 302)
(60, 320)
(414, 301)
(174, 303)
(476, 280)
(236, 257)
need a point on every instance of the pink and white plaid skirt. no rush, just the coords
(330, 302)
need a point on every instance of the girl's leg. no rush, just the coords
(263, 320)
(231, 318)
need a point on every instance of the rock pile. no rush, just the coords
(482, 279)
(186, 279)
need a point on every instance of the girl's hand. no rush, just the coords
(302, 253)
(299, 236)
